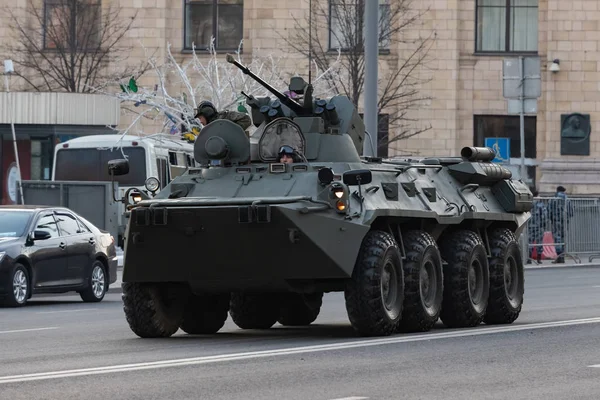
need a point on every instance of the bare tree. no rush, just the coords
(181, 86)
(338, 25)
(70, 44)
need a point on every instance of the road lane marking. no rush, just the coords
(597, 286)
(66, 311)
(351, 398)
(289, 351)
(594, 366)
(30, 330)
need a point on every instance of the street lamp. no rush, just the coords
(9, 69)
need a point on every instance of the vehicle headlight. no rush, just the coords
(152, 184)
(339, 197)
(136, 198)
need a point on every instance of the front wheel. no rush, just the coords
(19, 287)
(153, 310)
(97, 284)
(375, 293)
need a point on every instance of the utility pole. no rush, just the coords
(371, 59)
(8, 69)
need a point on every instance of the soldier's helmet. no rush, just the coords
(207, 110)
(288, 151)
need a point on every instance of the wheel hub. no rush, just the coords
(20, 286)
(475, 281)
(511, 277)
(389, 289)
(98, 281)
(427, 284)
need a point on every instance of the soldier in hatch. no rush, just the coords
(207, 113)
(286, 155)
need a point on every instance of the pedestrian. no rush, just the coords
(561, 210)
(207, 113)
(537, 226)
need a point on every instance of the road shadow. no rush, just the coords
(306, 334)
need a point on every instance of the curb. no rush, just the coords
(548, 266)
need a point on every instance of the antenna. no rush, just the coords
(309, 41)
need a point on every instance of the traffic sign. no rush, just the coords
(531, 77)
(501, 147)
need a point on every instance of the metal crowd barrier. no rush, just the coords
(562, 229)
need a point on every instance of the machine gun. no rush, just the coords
(292, 104)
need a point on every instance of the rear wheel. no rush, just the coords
(205, 314)
(423, 280)
(19, 287)
(466, 280)
(299, 309)
(375, 294)
(153, 309)
(254, 311)
(507, 280)
(97, 284)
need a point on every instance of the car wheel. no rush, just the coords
(19, 285)
(97, 284)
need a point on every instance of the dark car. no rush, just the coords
(53, 250)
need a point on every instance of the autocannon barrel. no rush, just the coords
(478, 153)
(290, 103)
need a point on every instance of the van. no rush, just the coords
(160, 156)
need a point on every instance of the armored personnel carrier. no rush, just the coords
(408, 241)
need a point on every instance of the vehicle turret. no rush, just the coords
(326, 124)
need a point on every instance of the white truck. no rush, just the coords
(158, 156)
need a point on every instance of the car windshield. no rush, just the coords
(13, 223)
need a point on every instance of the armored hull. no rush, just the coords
(270, 222)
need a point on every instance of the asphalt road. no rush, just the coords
(61, 348)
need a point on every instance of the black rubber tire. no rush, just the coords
(506, 264)
(423, 282)
(300, 309)
(254, 311)
(151, 309)
(205, 314)
(10, 300)
(87, 295)
(364, 294)
(460, 307)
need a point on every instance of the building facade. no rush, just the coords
(463, 74)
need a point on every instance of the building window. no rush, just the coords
(507, 25)
(219, 19)
(72, 24)
(346, 24)
(503, 126)
(41, 158)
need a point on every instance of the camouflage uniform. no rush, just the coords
(207, 110)
(537, 226)
(239, 118)
(560, 211)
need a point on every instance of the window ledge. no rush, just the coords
(382, 52)
(207, 52)
(505, 53)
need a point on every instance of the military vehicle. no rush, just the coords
(408, 241)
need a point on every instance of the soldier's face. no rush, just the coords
(202, 120)
(286, 159)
